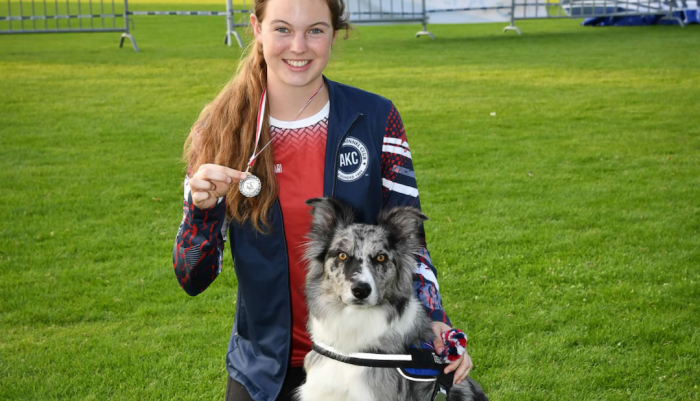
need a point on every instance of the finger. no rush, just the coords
(453, 365)
(211, 174)
(438, 344)
(459, 374)
(219, 188)
(438, 328)
(215, 185)
(234, 174)
(463, 370)
(201, 185)
(200, 196)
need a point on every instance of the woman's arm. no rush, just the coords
(400, 189)
(199, 246)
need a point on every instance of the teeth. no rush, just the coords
(297, 63)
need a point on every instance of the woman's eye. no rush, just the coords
(381, 258)
(316, 31)
(282, 30)
(342, 256)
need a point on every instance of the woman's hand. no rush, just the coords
(463, 365)
(212, 181)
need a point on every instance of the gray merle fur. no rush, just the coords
(343, 255)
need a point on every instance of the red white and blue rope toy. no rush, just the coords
(455, 345)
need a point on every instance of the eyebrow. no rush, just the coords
(314, 24)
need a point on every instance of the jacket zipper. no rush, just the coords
(337, 152)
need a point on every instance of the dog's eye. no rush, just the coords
(381, 258)
(342, 256)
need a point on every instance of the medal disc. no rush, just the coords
(250, 186)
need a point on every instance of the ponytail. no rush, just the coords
(225, 132)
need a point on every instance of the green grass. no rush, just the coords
(564, 228)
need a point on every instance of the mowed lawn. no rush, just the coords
(560, 170)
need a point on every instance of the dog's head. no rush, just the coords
(361, 265)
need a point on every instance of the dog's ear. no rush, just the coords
(404, 225)
(327, 215)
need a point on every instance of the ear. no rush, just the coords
(256, 28)
(327, 215)
(403, 225)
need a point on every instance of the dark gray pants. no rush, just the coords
(295, 377)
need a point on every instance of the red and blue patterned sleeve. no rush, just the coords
(400, 189)
(199, 246)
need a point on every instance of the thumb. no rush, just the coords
(438, 343)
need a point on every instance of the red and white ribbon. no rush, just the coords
(261, 113)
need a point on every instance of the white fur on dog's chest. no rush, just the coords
(332, 380)
(355, 329)
(349, 331)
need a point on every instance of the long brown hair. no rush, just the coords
(224, 133)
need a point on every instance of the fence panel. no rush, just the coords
(476, 11)
(385, 11)
(54, 16)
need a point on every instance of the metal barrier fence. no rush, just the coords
(47, 16)
(71, 16)
(464, 11)
(360, 12)
(368, 12)
(59, 16)
(55, 16)
(231, 23)
(228, 14)
(555, 9)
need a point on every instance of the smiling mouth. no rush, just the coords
(297, 63)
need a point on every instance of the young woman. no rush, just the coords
(326, 139)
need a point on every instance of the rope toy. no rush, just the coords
(455, 344)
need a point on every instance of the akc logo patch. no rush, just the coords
(354, 159)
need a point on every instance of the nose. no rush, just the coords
(361, 290)
(299, 43)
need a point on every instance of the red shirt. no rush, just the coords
(299, 152)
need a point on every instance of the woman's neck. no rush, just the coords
(285, 101)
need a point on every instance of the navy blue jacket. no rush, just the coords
(366, 132)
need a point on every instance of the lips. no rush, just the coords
(298, 65)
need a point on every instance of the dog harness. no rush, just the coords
(419, 364)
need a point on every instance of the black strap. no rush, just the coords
(446, 380)
(425, 359)
(421, 358)
(372, 363)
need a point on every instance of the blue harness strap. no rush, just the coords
(427, 364)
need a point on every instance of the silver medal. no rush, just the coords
(250, 186)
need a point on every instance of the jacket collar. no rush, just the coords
(341, 118)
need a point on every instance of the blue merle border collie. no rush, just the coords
(359, 290)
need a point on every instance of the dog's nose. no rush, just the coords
(361, 290)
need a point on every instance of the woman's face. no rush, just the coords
(296, 36)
